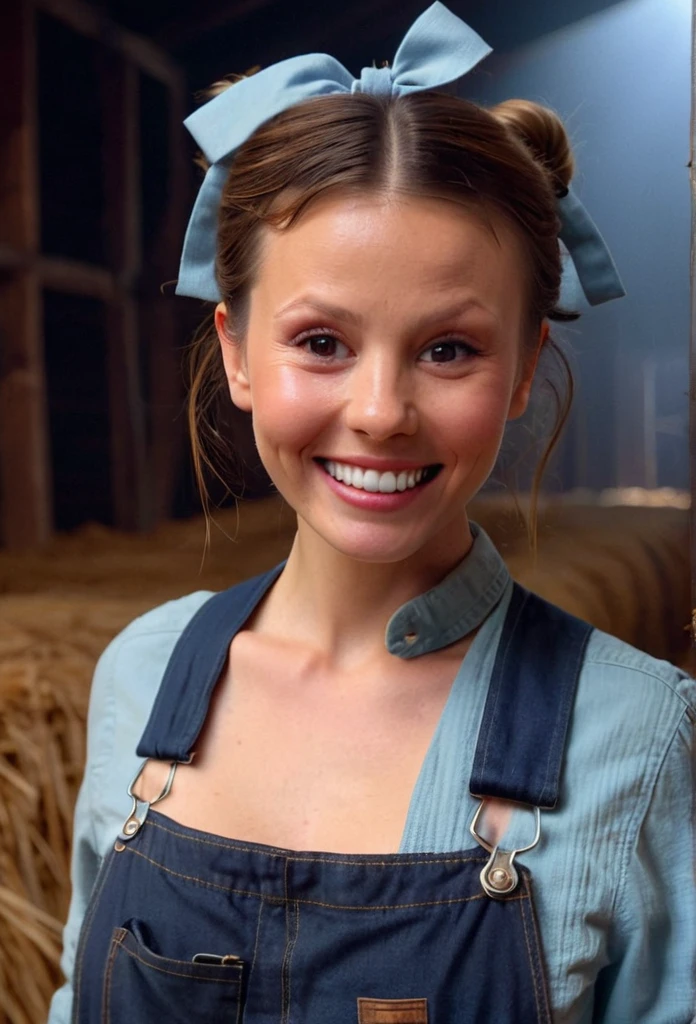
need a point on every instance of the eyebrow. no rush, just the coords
(348, 316)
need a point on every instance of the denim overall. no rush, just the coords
(187, 926)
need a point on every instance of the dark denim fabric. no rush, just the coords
(313, 938)
(314, 933)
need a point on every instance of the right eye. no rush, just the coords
(324, 345)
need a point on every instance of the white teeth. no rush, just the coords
(371, 480)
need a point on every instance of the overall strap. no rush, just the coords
(523, 732)
(194, 668)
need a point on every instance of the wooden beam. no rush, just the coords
(89, 21)
(12, 258)
(76, 278)
(25, 490)
(60, 273)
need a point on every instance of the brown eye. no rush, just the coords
(322, 345)
(444, 352)
(448, 352)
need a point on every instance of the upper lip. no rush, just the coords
(382, 465)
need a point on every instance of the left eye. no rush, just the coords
(447, 352)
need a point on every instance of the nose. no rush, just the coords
(380, 398)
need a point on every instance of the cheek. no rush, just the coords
(474, 416)
(289, 408)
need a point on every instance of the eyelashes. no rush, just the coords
(326, 346)
(323, 344)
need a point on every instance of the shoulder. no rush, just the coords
(134, 661)
(125, 684)
(624, 674)
(137, 656)
(170, 617)
(633, 715)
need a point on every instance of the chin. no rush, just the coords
(379, 545)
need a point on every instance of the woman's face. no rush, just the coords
(384, 355)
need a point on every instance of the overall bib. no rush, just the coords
(187, 926)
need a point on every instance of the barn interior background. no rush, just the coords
(98, 515)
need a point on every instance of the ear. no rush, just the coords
(234, 360)
(527, 369)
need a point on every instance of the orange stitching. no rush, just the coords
(542, 978)
(192, 878)
(262, 904)
(287, 962)
(86, 929)
(532, 965)
(284, 1005)
(178, 974)
(315, 903)
(234, 844)
(106, 991)
(292, 951)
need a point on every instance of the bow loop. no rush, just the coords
(225, 122)
(436, 52)
(438, 49)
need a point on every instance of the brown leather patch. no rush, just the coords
(392, 1011)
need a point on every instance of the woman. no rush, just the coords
(385, 261)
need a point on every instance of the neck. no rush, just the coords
(341, 606)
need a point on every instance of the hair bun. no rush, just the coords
(543, 133)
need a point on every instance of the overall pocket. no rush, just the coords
(141, 986)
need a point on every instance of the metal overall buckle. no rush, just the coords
(499, 877)
(138, 812)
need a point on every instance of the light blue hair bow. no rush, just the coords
(437, 51)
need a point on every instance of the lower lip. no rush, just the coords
(374, 501)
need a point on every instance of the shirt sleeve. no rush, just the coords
(652, 979)
(86, 857)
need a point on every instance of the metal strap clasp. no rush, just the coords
(138, 813)
(499, 877)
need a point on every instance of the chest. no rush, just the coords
(295, 755)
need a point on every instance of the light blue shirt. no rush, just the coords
(614, 873)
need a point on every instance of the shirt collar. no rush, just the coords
(455, 607)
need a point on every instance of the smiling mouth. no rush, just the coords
(375, 482)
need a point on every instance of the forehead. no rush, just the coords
(401, 250)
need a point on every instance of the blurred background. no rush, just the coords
(97, 177)
(99, 518)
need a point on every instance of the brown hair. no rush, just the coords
(514, 159)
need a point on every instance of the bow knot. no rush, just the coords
(375, 81)
(436, 52)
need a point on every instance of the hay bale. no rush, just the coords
(623, 569)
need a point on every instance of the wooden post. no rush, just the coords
(25, 491)
(162, 325)
(132, 497)
(692, 346)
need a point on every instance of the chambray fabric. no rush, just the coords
(436, 53)
(613, 876)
